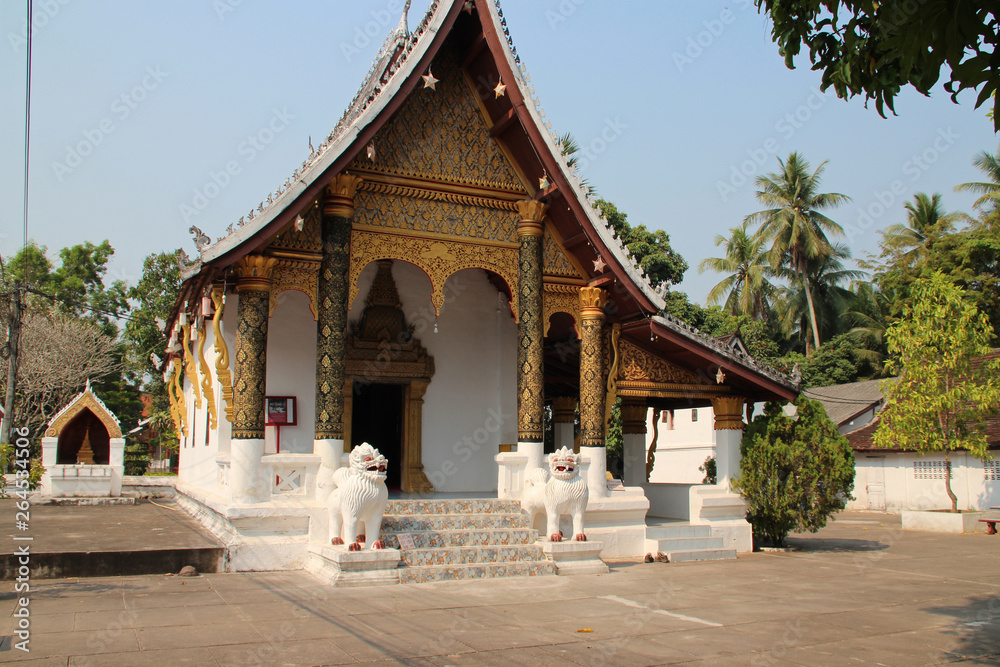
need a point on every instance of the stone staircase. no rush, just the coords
(682, 541)
(463, 539)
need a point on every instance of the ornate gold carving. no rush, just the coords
(592, 390)
(179, 394)
(531, 213)
(634, 416)
(651, 453)
(555, 262)
(85, 401)
(251, 364)
(291, 274)
(639, 365)
(530, 360)
(609, 399)
(442, 132)
(438, 259)
(331, 326)
(592, 301)
(189, 365)
(254, 272)
(174, 410)
(338, 200)
(431, 189)
(206, 381)
(414, 478)
(293, 243)
(222, 354)
(564, 409)
(436, 216)
(560, 299)
(728, 413)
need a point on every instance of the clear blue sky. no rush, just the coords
(162, 95)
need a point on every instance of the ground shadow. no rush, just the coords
(834, 545)
(977, 629)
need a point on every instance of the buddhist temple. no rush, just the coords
(437, 281)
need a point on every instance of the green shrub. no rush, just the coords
(796, 471)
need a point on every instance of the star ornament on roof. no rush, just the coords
(429, 80)
(599, 265)
(467, 6)
(501, 88)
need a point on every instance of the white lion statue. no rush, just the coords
(557, 491)
(359, 497)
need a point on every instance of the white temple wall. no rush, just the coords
(291, 370)
(682, 449)
(470, 407)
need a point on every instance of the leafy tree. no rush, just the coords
(876, 48)
(746, 290)
(795, 472)
(866, 314)
(651, 248)
(835, 362)
(942, 400)
(924, 216)
(794, 224)
(989, 202)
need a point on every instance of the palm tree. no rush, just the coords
(794, 224)
(989, 202)
(746, 289)
(829, 281)
(867, 314)
(924, 217)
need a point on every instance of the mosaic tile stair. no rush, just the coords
(463, 539)
(685, 542)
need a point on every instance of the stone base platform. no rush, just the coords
(575, 557)
(339, 567)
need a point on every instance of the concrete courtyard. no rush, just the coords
(859, 592)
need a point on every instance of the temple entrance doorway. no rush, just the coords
(377, 418)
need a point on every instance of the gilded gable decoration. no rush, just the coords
(637, 365)
(554, 259)
(438, 258)
(560, 299)
(293, 274)
(85, 400)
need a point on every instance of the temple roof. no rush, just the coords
(517, 120)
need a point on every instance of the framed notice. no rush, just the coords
(279, 411)
(405, 541)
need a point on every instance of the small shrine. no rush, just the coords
(83, 451)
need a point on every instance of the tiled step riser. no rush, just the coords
(416, 575)
(473, 555)
(442, 522)
(463, 538)
(475, 506)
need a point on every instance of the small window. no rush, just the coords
(992, 470)
(694, 415)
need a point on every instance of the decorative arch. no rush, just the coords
(439, 258)
(84, 439)
(560, 299)
(86, 400)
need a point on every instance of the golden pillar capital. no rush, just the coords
(564, 409)
(253, 272)
(728, 413)
(592, 302)
(338, 199)
(530, 213)
(634, 415)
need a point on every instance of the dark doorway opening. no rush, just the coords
(377, 418)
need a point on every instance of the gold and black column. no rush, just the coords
(592, 389)
(331, 321)
(530, 361)
(254, 288)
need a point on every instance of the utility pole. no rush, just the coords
(13, 340)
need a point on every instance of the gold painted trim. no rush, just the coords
(609, 399)
(651, 454)
(387, 176)
(560, 299)
(439, 259)
(189, 365)
(181, 401)
(728, 413)
(376, 229)
(300, 275)
(85, 401)
(174, 410)
(433, 194)
(222, 371)
(206, 380)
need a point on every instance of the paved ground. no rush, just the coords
(143, 526)
(860, 592)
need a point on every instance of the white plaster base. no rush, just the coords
(245, 480)
(535, 453)
(597, 473)
(573, 557)
(618, 522)
(725, 512)
(329, 451)
(339, 567)
(945, 522)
